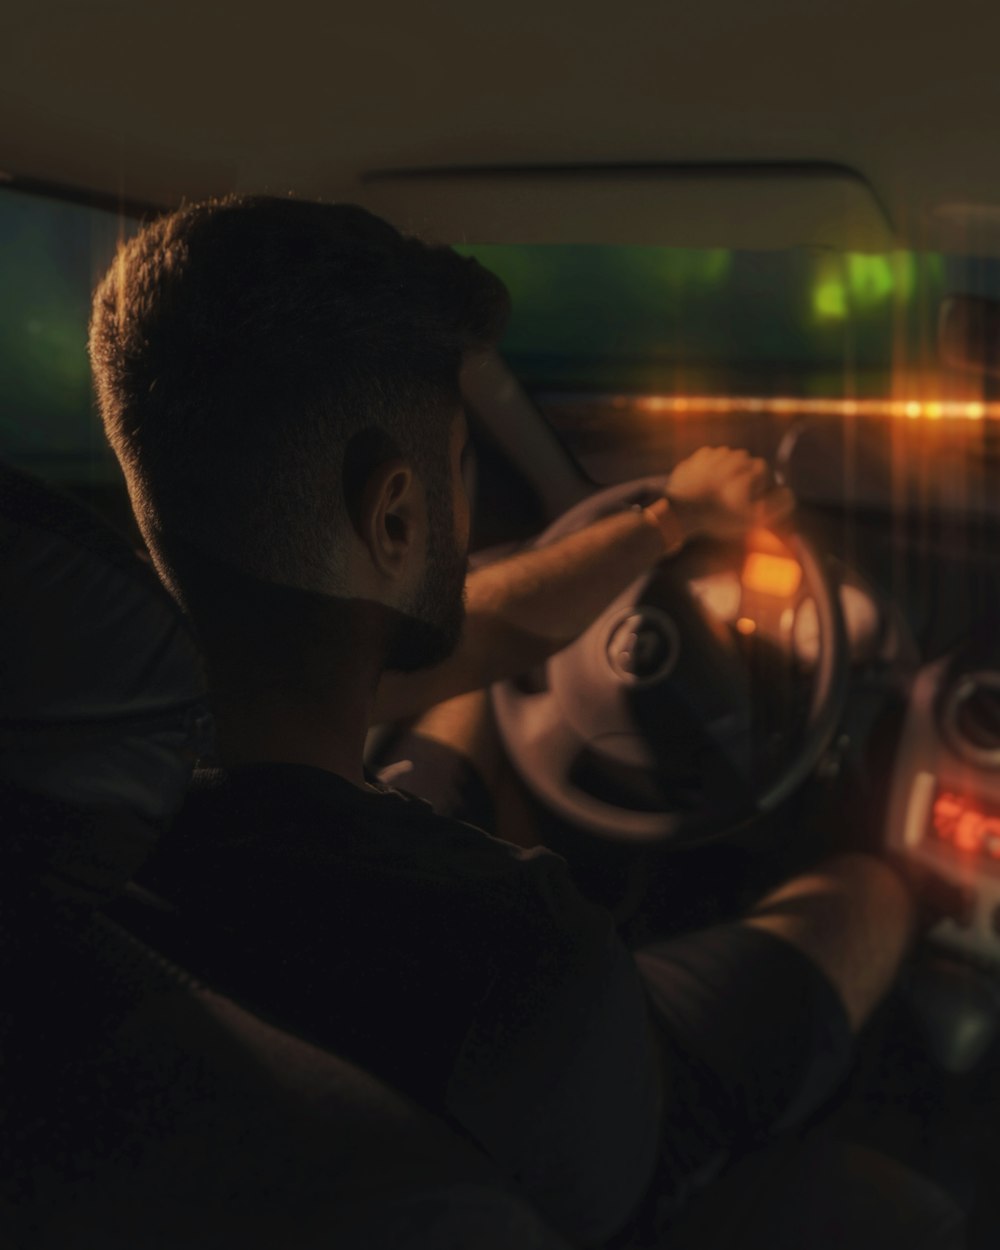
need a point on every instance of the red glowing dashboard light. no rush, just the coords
(958, 820)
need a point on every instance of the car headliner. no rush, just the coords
(891, 104)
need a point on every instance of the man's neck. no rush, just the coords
(279, 728)
(300, 687)
(288, 738)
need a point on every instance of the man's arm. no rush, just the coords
(853, 918)
(753, 1020)
(521, 610)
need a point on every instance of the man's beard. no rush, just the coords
(429, 631)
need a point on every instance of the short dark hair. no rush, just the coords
(249, 353)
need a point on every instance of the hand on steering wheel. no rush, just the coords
(721, 493)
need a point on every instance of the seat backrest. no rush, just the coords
(139, 1108)
(142, 1110)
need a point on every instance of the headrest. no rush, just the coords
(102, 698)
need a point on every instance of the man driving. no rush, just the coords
(280, 382)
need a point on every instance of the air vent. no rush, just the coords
(971, 717)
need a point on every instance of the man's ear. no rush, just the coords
(391, 507)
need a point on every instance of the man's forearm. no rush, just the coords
(521, 610)
(554, 593)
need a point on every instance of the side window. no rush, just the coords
(52, 253)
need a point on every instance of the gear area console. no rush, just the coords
(944, 812)
(944, 817)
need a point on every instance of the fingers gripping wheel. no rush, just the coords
(643, 729)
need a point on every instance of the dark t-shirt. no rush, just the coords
(465, 972)
(473, 976)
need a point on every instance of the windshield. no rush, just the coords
(638, 354)
(635, 355)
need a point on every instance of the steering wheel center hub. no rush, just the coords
(643, 647)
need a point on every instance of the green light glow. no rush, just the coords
(870, 278)
(829, 299)
(860, 284)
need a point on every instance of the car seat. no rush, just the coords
(139, 1108)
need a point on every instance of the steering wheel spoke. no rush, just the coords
(547, 735)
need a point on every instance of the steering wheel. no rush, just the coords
(643, 729)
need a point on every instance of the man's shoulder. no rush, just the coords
(291, 806)
(303, 821)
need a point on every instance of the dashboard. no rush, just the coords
(943, 812)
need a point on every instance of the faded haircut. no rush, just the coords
(255, 357)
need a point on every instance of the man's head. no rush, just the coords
(279, 380)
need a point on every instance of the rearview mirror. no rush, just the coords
(969, 333)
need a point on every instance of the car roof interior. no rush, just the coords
(865, 125)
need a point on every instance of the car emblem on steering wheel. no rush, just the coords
(643, 647)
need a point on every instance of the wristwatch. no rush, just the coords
(667, 522)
